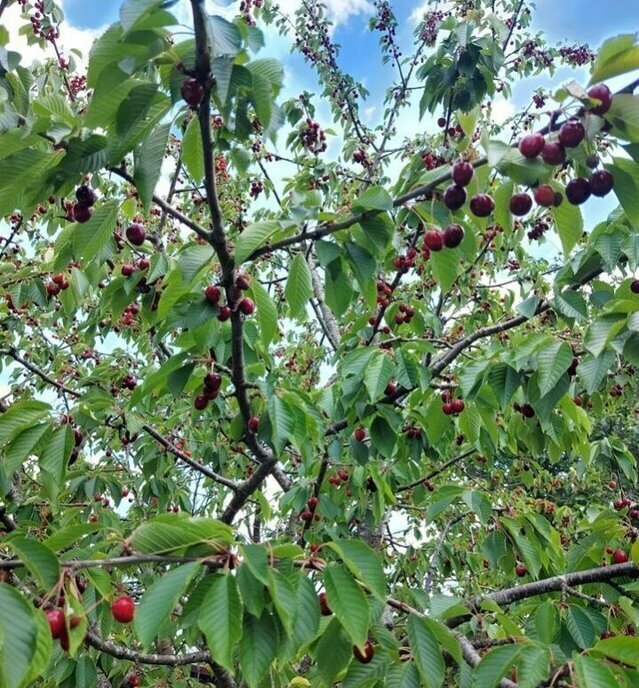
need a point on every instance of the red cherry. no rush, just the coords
(366, 655)
(545, 196)
(391, 388)
(634, 286)
(253, 424)
(531, 145)
(454, 197)
(527, 411)
(571, 133)
(619, 556)
(128, 269)
(201, 402)
(246, 306)
(434, 240)
(192, 92)
(604, 94)
(577, 191)
(447, 408)
(242, 282)
(213, 381)
(520, 204)
(553, 153)
(85, 195)
(224, 314)
(521, 570)
(312, 502)
(482, 205)
(453, 236)
(324, 608)
(57, 622)
(143, 263)
(212, 294)
(601, 183)
(123, 609)
(306, 516)
(136, 234)
(360, 434)
(462, 173)
(457, 405)
(133, 681)
(82, 213)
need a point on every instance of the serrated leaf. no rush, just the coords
(374, 198)
(626, 186)
(18, 636)
(552, 363)
(618, 55)
(258, 648)
(22, 446)
(192, 151)
(299, 288)
(90, 238)
(282, 421)
(266, 312)
(426, 652)
(624, 649)
(55, 455)
(39, 560)
(220, 619)
(159, 600)
(19, 417)
(494, 665)
(174, 533)
(377, 375)
(593, 370)
(504, 381)
(591, 673)
(348, 602)
(569, 222)
(148, 160)
(224, 36)
(363, 563)
(580, 627)
(253, 237)
(445, 267)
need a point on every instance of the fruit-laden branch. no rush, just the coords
(327, 228)
(443, 361)
(169, 446)
(505, 597)
(217, 239)
(436, 471)
(166, 208)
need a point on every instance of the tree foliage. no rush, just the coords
(297, 400)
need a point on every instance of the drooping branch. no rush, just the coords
(436, 471)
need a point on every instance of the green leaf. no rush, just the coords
(18, 638)
(258, 648)
(365, 268)
(332, 653)
(552, 363)
(148, 160)
(495, 665)
(364, 563)
(19, 417)
(348, 602)
(307, 615)
(284, 598)
(593, 370)
(624, 116)
(90, 238)
(39, 559)
(571, 304)
(192, 151)
(22, 446)
(220, 619)
(591, 673)
(374, 198)
(426, 653)
(266, 312)
(55, 455)
(192, 259)
(174, 533)
(504, 381)
(253, 237)
(618, 55)
(159, 600)
(580, 627)
(533, 665)
(624, 649)
(43, 648)
(377, 375)
(282, 421)
(383, 436)
(224, 36)
(299, 288)
(602, 330)
(569, 222)
(445, 267)
(626, 186)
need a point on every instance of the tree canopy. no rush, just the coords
(296, 399)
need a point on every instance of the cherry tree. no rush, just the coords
(292, 398)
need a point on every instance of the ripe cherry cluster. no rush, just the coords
(82, 210)
(312, 136)
(212, 384)
(451, 406)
